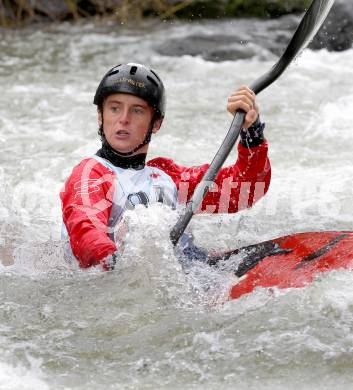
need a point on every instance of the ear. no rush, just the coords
(157, 125)
(99, 117)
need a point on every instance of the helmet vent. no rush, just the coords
(152, 80)
(113, 72)
(133, 70)
(155, 75)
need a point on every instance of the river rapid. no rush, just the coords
(147, 325)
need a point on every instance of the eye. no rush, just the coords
(138, 110)
(114, 109)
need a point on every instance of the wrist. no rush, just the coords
(254, 135)
(110, 261)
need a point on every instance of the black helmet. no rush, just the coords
(135, 79)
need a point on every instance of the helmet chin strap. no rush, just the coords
(146, 141)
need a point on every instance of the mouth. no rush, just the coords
(122, 134)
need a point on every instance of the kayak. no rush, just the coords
(292, 261)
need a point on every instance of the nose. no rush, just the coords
(124, 116)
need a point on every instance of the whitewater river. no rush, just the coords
(147, 325)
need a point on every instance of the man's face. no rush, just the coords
(126, 120)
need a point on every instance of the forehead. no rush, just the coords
(126, 98)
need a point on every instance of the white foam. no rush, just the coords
(21, 378)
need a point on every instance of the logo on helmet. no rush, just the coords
(132, 82)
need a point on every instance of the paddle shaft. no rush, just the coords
(308, 27)
(209, 177)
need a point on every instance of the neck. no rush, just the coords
(136, 161)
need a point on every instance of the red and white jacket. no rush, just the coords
(97, 193)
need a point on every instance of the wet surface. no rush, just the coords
(147, 324)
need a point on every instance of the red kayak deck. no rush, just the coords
(295, 260)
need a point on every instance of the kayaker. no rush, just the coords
(130, 103)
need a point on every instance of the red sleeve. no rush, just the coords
(237, 187)
(86, 204)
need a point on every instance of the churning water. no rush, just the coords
(147, 325)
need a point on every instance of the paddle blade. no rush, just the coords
(317, 14)
(306, 31)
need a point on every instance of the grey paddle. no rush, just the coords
(307, 29)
